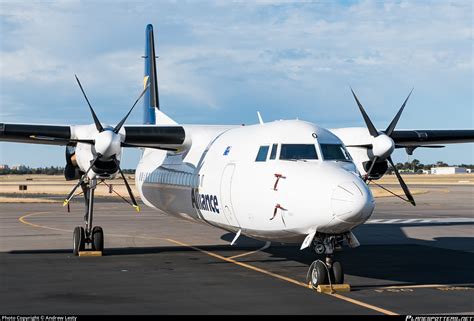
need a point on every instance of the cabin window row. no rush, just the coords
(162, 176)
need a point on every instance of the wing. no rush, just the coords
(155, 136)
(36, 134)
(360, 137)
(409, 138)
(152, 136)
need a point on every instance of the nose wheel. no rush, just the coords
(97, 238)
(327, 271)
(78, 240)
(92, 237)
(337, 276)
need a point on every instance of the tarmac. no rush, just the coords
(412, 260)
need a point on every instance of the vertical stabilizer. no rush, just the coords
(151, 100)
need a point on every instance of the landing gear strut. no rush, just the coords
(327, 271)
(94, 237)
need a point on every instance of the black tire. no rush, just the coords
(78, 240)
(318, 274)
(337, 273)
(97, 238)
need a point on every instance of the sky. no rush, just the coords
(222, 61)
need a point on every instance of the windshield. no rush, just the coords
(298, 151)
(335, 152)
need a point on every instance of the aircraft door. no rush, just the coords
(226, 195)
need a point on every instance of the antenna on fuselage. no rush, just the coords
(260, 118)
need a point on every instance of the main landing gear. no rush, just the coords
(327, 271)
(91, 237)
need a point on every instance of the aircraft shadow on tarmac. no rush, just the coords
(396, 259)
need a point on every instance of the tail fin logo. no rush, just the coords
(145, 81)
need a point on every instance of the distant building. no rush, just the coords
(448, 170)
(19, 167)
(5, 166)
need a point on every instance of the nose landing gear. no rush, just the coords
(327, 272)
(88, 235)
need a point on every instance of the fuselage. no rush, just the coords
(277, 181)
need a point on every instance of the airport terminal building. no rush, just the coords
(448, 170)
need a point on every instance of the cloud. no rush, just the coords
(220, 60)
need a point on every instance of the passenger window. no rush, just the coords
(274, 151)
(262, 154)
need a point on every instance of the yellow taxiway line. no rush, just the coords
(23, 220)
(284, 278)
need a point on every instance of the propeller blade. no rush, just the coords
(71, 194)
(371, 167)
(134, 202)
(394, 122)
(402, 182)
(98, 125)
(368, 122)
(119, 125)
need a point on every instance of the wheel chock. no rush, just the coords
(326, 288)
(90, 253)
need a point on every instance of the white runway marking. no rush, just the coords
(438, 220)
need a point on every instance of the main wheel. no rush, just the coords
(337, 273)
(79, 239)
(318, 273)
(98, 238)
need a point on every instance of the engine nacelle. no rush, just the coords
(362, 159)
(103, 168)
(379, 170)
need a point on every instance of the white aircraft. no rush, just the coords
(287, 181)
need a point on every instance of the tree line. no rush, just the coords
(414, 166)
(52, 170)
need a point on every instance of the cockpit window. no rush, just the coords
(262, 154)
(298, 151)
(335, 152)
(274, 151)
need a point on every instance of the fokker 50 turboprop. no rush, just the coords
(286, 181)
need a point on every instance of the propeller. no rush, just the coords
(134, 202)
(383, 144)
(370, 126)
(98, 125)
(107, 145)
(120, 124)
(402, 182)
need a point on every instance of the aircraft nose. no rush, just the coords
(352, 202)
